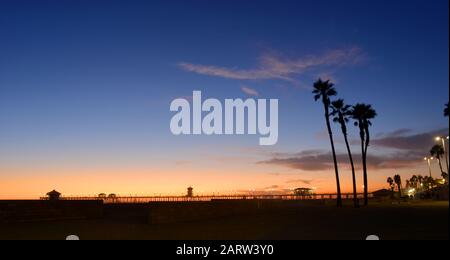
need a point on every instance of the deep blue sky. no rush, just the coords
(94, 79)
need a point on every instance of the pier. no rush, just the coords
(205, 198)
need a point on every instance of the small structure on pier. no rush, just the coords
(112, 198)
(304, 192)
(53, 195)
(190, 192)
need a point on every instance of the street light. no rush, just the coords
(442, 139)
(429, 159)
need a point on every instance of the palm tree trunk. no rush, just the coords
(363, 155)
(440, 164)
(330, 133)
(446, 160)
(366, 189)
(366, 182)
(355, 193)
(367, 139)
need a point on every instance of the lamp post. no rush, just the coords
(442, 139)
(428, 160)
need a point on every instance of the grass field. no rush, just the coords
(411, 221)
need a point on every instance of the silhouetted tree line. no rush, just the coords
(418, 182)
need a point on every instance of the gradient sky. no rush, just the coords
(85, 88)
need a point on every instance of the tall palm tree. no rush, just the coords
(324, 90)
(362, 114)
(438, 151)
(341, 113)
(446, 110)
(370, 114)
(398, 181)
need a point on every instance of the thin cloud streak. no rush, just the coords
(249, 91)
(298, 181)
(273, 66)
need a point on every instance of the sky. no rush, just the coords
(86, 86)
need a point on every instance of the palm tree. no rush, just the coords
(341, 114)
(408, 184)
(438, 151)
(445, 177)
(391, 186)
(420, 181)
(446, 110)
(391, 183)
(428, 182)
(398, 181)
(324, 90)
(414, 181)
(370, 114)
(362, 114)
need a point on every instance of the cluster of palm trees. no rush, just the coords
(419, 182)
(416, 182)
(361, 114)
(397, 180)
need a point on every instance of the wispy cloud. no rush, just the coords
(300, 181)
(274, 190)
(249, 91)
(404, 139)
(401, 149)
(321, 160)
(274, 66)
(272, 187)
(182, 163)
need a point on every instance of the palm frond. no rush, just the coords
(332, 92)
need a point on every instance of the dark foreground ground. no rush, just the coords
(417, 221)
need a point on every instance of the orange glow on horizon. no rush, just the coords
(154, 182)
